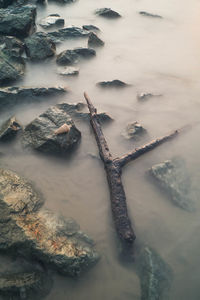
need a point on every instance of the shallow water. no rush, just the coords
(161, 56)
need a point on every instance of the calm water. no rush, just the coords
(161, 56)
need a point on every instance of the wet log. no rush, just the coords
(113, 168)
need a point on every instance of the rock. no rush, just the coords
(77, 111)
(17, 21)
(9, 129)
(146, 14)
(12, 67)
(69, 71)
(155, 275)
(14, 95)
(53, 20)
(146, 96)
(94, 40)
(39, 46)
(5, 3)
(41, 135)
(69, 57)
(39, 234)
(24, 285)
(63, 1)
(134, 131)
(107, 13)
(67, 33)
(173, 177)
(90, 28)
(112, 84)
(11, 45)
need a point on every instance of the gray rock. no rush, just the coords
(107, 13)
(146, 14)
(94, 40)
(42, 133)
(112, 84)
(90, 28)
(173, 177)
(155, 275)
(5, 3)
(67, 33)
(39, 234)
(146, 96)
(69, 57)
(69, 71)
(24, 285)
(11, 45)
(77, 111)
(134, 131)
(17, 21)
(14, 95)
(52, 21)
(9, 129)
(39, 46)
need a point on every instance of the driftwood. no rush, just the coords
(113, 168)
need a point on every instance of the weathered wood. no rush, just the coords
(113, 168)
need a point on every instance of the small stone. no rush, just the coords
(134, 131)
(51, 21)
(94, 40)
(67, 57)
(107, 13)
(146, 14)
(112, 84)
(69, 71)
(70, 32)
(90, 28)
(9, 129)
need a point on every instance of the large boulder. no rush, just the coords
(39, 46)
(52, 132)
(107, 13)
(39, 234)
(70, 32)
(173, 177)
(5, 3)
(53, 20)
(9, 129)
(17, 21)
(14, 95)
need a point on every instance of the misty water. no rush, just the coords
(159, 56)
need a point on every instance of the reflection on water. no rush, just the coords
(160, 56)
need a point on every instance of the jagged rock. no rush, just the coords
(53, 20)
(15, 95)
(39, 46)
(17, 21)
(134, 131)
(77, 111)
(67, 33)
(146, 96)
(24, 285)
(69, 57)
(69, 71)
(90, 28)
(155, 275)
(41, 133)
(9, 129)
(39, 234)
(146, 14)
(112, 84)
(11, 45)
(94, 40)
(107, 13)
(173, 177)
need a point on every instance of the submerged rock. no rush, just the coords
(24, 285)
(146, 96)
(155, 275)
(112, 84)
(53, 20)
(173, 177)
(67, 33)
(94, 40)
(146, 14)
(69, 71)
(38, 46)
(9, 129)
(70, 57)
(17, 21)
(42, 134)
(134, 131)
(107, 13)
(90, 28)
(15, 95)
(39, 234)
